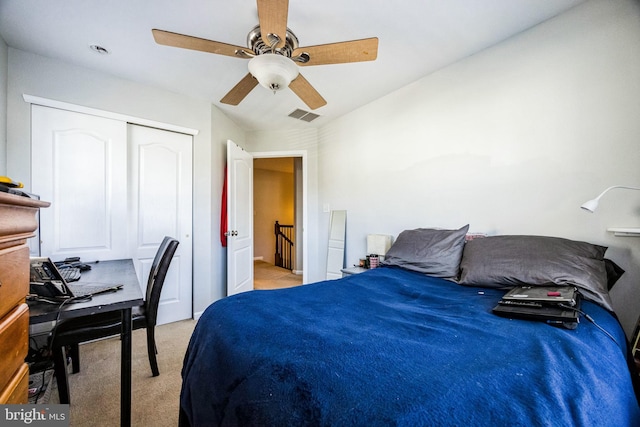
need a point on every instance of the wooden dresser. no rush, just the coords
(18, 222)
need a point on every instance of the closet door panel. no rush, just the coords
(79, 163)
(161, 189)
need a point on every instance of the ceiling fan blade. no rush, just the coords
(272, 15)
(339, 53)
(301, 87)
(194, 43)
(240, 91)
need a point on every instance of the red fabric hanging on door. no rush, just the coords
(223, 211)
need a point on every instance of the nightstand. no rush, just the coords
(352, 270)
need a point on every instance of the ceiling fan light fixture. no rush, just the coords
(273, 71)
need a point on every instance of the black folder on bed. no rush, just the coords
(552, 304)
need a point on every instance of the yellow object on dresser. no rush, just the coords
(17, 224)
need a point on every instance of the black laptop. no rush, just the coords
(46, 281)
(558, 305)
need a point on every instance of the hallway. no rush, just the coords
(268, 276)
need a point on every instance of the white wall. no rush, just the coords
(511, 140)
(39, 76)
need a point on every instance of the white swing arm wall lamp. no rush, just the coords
(592, 205)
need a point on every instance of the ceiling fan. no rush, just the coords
(274, 54)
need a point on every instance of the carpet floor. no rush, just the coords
(268, 276)
(95, 390)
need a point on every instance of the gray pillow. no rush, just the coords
(430, 251)
(507, 261)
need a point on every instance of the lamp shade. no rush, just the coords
(378, 244)
(592, 205)
(273, 71)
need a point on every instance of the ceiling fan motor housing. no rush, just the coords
(259, 47)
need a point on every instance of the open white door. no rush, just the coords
(240, 220)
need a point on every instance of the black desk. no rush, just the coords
(109, 272)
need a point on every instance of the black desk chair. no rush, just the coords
(72, 332)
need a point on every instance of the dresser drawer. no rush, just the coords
(17, 391)
(14, 342)
(18, 217)
(14, 277)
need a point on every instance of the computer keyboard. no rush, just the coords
(81, 289)
(70, 274)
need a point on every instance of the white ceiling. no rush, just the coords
(416, 38)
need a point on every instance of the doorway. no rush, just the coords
(277, 200)
(240, 214)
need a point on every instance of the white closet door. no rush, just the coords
(161, 205)
(78, 163)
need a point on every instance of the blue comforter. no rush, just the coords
(394, 347)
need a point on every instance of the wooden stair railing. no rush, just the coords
(284, 245)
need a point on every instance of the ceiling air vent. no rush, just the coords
(303, 115)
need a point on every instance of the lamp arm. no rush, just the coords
(592, 205)
(616, 186)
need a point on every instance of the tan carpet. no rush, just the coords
(95, 390)
(268, 276)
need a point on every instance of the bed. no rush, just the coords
(415, 342)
